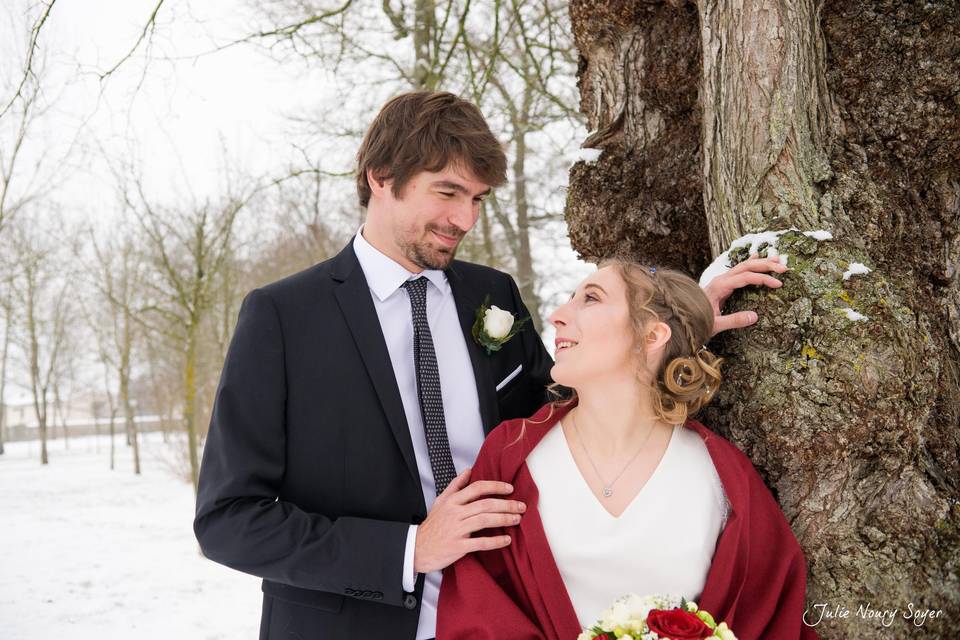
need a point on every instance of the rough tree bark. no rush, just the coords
(718, 119)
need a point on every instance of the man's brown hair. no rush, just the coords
(427, 131)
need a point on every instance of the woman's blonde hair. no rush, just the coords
(689, 374)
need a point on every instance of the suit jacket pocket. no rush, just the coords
(509, 380)
(322, 600)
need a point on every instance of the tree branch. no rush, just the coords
(28, 67)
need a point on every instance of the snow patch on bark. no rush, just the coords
(589, 155)
(754, 240)
(853, 315)
(855, 269)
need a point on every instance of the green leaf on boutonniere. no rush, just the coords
(499, 322)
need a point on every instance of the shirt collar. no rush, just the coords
(385, 275)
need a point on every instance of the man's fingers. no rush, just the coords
(490, 521)
(493, 505)
(737, 320)
(487, 543)
(483, 488)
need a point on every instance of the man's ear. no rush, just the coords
(658, 336)
(376, 182)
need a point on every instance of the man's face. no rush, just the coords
(431, 216)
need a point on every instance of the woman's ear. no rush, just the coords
(658, 336)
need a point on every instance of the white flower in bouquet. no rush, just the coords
(655, 617)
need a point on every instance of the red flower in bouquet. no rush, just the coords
(677, 624)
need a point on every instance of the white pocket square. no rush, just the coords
(513, 374)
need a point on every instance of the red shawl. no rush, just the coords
(756, 583)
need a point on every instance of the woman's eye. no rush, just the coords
(590, 297)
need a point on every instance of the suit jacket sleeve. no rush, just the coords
(241, 520)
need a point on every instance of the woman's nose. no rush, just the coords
(558, 317)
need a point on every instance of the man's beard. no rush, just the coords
(424, 255)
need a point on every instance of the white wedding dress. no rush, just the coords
(662, 543)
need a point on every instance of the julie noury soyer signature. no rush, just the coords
(822, 611)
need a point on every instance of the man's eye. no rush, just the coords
(446, 194)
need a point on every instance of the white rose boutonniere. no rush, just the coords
(494, 326)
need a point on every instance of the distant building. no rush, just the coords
(84, 414)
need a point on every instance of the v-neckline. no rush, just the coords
(586, 485)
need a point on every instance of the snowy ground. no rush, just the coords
(90, 554)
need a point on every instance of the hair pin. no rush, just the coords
(653, 271)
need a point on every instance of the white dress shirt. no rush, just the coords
(663, 542)
(461, 404)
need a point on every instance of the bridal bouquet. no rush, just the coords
(659, 617)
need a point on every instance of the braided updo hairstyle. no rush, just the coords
(689, 375)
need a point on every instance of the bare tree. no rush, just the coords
(720, 119)
(108, 368)
(18, 188)
(25, 84)
(117, 275)
(187, 250)
(42, 293)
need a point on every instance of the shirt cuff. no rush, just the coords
(409, 575)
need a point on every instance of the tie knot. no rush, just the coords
(417, 287)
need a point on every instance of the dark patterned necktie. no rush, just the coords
(428, 387)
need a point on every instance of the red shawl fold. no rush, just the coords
(756, 582)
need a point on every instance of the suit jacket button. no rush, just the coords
(410, 601)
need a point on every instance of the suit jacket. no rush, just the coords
(308, 478)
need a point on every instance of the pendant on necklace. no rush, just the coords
(607, 492)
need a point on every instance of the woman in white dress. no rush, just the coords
(624, 492)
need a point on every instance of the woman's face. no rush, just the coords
(595, 338)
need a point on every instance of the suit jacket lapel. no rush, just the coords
(468, 301)
(353, 297)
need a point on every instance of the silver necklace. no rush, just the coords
(608, 486)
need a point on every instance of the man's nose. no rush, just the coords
(464, 215)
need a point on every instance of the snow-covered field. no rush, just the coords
(90, 554)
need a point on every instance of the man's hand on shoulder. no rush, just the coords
(462, 509)
(755, 271)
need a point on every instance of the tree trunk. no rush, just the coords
(113, 444)
(190, 401)
(42, 427)
(424, 25)
(124, 371)
(58, 411)
(843, 118)
(3, 380)
(525, 274)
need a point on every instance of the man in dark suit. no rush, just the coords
(324, 457)
(354, 393)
